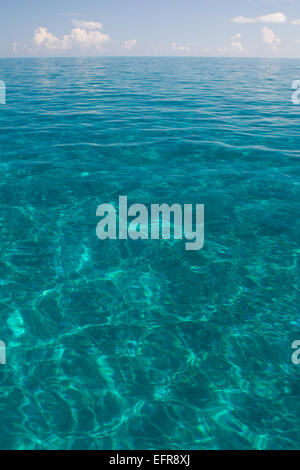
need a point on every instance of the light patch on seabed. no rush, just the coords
(16, 323)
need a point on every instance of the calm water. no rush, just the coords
(141, 344)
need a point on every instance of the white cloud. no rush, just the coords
(84, 38)
(129, 44)
(43, 38)
(87, 24)
(176, 47)
(243, 19)
(235, 44)
(87, 39)
(296, 22)
(271, 18)
(270, 38)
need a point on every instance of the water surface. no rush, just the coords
(141, 344)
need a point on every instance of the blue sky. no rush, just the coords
(247, 28)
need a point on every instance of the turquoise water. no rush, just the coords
(142, 344)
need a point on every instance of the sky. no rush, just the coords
(222, 28)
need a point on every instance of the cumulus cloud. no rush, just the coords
(43, 38)
(235, 44)
(82, 37)
(271, 18)
(270, 38)
(177, 47)
(87, 39)
(129, 44)
(296, 22)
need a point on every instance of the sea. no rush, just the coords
(142, 344)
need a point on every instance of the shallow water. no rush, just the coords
(141, 344)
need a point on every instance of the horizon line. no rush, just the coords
(146, 57)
